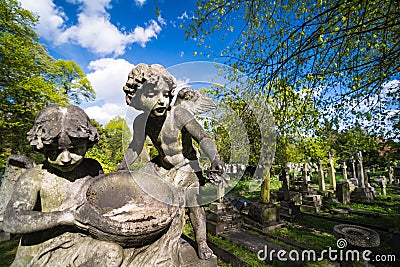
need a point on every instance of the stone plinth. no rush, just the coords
(264, 215)
(362, 194)
(288, 210)
(343, 192)
(222, 217)
(311, 203)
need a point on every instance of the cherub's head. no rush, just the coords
(150, 89)
(63, 135)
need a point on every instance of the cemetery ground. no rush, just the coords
(307, 230)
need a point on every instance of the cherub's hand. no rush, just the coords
(218, 166)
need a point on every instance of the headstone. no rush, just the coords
(285, 183)
(344, 170)
(382, 184)
(321, 177)
(331, 171)
(390, 174)
(360, 170)
(264, 215)
(343, 192)
(311, 203)
(353, 167)
(222, 217)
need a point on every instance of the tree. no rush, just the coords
(72, 81)
(27, 82)
(114, 139)
(345, 50)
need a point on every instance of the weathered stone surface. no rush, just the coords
(357, 236)
(343, 192)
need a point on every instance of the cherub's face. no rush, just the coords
(66, 154)
(153, 98)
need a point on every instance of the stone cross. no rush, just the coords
(331, 171)
(383, 185)
(353, 165)
(285, 183)
(391, 172)
(344, 168)
(321, 178)
(360, 171)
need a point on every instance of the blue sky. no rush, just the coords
(108, 37)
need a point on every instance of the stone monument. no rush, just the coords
(331, 171)
(321, 177)
(362, 192)
(70, 213)
(150, 89)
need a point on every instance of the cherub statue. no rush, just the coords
(171, 130)
(46, 197)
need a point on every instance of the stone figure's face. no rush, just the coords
(66, 154)
(153, 98)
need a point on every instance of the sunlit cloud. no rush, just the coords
(93, 30)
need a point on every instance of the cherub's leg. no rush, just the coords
(198, 220)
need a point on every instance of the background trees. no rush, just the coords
(312, 61)
(30, 79)
(346, 51)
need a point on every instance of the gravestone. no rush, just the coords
(363, 192)
(382, 184)
(343, 192)
(321, 177)
(344, 170)
(311, 203)
(331, 171)
(222, 217)
(353, 167)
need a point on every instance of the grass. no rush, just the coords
(8, 249)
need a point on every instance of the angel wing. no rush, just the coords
(193, 101)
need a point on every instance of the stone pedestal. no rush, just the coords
(311, 203)
(361, 194)
(222, 217)
(288, 210)
(264, 215)
(343, 192)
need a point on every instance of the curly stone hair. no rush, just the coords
(146, 74)
(55, 121)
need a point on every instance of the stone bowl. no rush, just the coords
(357, 236)
(117, 209)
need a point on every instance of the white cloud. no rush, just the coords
(143, 35)
(140, 2)
(93, 29)
(52, 18)
(103, 114)
(183, 16)
(107, 78)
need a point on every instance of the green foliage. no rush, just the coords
(114, 139)
(343, 50)
(30, 79)
(8, 249)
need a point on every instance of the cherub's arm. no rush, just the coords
(187, 120)
(19, 216)
(136, 146)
